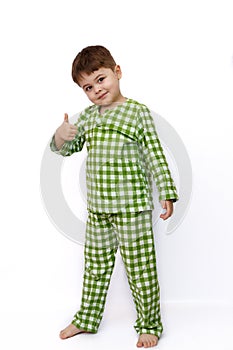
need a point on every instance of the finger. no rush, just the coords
(163, 204)
(73, 128)
(170, 207)
(71, 137)
(164, 212)
(66, 119)
(169, 210)
(165, 216)
(72, 133)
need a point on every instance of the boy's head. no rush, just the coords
(96, 72)
(89, 60)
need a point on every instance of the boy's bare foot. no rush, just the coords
(70, 331)
(147, 340)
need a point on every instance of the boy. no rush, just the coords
(124, 152)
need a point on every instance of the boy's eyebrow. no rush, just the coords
(96, 78)
(85, 85)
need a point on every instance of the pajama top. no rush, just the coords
(124, 156)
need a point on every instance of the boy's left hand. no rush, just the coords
(168, 206)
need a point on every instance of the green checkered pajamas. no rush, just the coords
(132, 232)
(124, 154)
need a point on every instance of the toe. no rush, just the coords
(62, 335)
(139, 344)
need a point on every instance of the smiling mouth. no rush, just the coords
(102, 96)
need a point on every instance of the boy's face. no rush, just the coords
(102, 86)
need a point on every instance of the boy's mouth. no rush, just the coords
(102, 96)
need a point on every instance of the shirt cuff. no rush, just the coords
(53, 146)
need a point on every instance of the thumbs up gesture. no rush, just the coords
(66, 131)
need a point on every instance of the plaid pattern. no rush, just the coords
(132, 232)
(124, 153)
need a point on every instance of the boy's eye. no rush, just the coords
(88, 88)
(100, 79)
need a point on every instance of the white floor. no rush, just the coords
(187, 326)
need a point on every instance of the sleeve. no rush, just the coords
(154, 157)
(70, 147)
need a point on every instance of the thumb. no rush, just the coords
(163, 204)
(66, 119)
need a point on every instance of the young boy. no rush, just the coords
(124, 152)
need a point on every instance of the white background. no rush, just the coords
(176, 57)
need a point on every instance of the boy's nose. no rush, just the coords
(97, 88)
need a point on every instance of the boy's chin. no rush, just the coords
(103, 104)
(99, 103)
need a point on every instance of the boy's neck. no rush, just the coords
(113, 105)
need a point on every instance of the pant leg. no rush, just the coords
(100, 250)
(137, 249)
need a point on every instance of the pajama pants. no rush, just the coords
(133, 233)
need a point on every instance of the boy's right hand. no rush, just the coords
(66, 131)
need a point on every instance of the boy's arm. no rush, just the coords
(156, 161)
(68, 138)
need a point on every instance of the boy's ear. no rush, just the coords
(118, 72)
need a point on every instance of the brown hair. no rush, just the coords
(91, 59)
